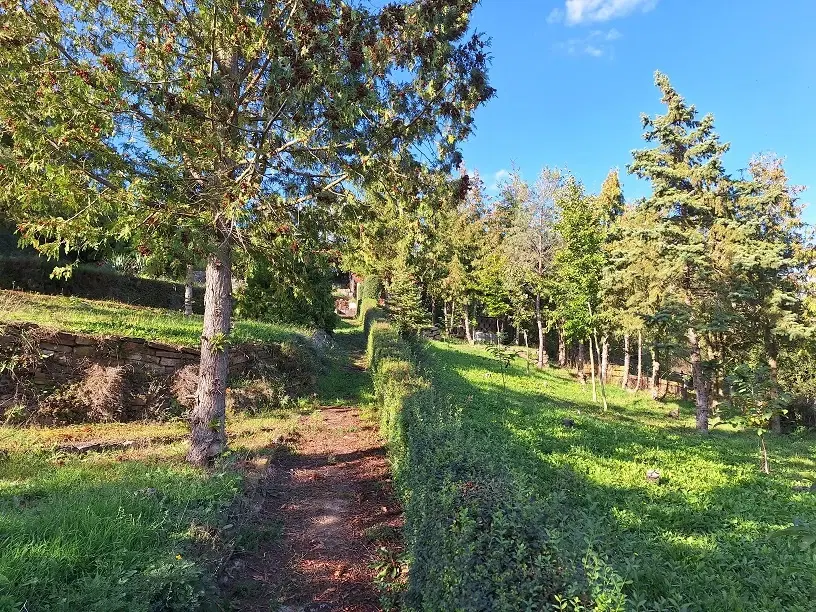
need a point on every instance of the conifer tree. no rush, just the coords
(223, 118)
(772, 264)
(689, 206)
(404, 301)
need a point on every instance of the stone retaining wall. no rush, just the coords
(61, 352)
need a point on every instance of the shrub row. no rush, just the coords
(370, 288)
(95, 283)
(475, 540)
(369, 313)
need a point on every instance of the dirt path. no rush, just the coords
(332, 495)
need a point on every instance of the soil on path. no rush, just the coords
(332, 496)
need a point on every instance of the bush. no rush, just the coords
(474, 538)
(95, 283)
(372, 288)
(369, 313)
(269, 296)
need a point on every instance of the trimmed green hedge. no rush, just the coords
(372, 288)
(369, 313)
(95, 283)
(475, 540)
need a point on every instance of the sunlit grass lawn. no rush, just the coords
(344, 380)
(133, 529)
(703, 537)
(114, 318)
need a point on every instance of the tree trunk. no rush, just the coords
(592, 370)
(602, 377)
(766, 468)
(562, 348)
(468, 334)
(581, 374)
(776, 419)
(188, 291)
(498, 331)
(701, 389)
(433, 312)
(640, 361)
(451, 318)
(604, 358)
(654, 383)
(542, 353)
(626, 362)
(207, 431)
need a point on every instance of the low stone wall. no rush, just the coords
(50, 377)
(62, 350)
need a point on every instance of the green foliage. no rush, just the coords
(222, 122)
(474, 540)
(370, 312)
(531, 242)
(725, 260)
(579, 262)
(404, 303)
(755, 396)
(504, 357)
(372, 288)
(299, 293)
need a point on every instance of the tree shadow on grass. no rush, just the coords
(701, 536)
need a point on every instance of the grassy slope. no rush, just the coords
(114, 318)
(701, 537)
(119, 530)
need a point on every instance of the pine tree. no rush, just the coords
(771, 271)
(689, 207)
(404, 301)
(222, 117)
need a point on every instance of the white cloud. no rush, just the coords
(555, 16)
(597, 43)
(590, 11)
(498, 177)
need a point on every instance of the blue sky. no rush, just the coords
(573, 77)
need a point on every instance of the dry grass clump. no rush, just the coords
(99, 397)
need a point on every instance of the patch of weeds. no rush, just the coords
(390, 577)
(382, 533)
(94, 533)
(253, 537)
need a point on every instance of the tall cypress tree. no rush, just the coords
(690, 201)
